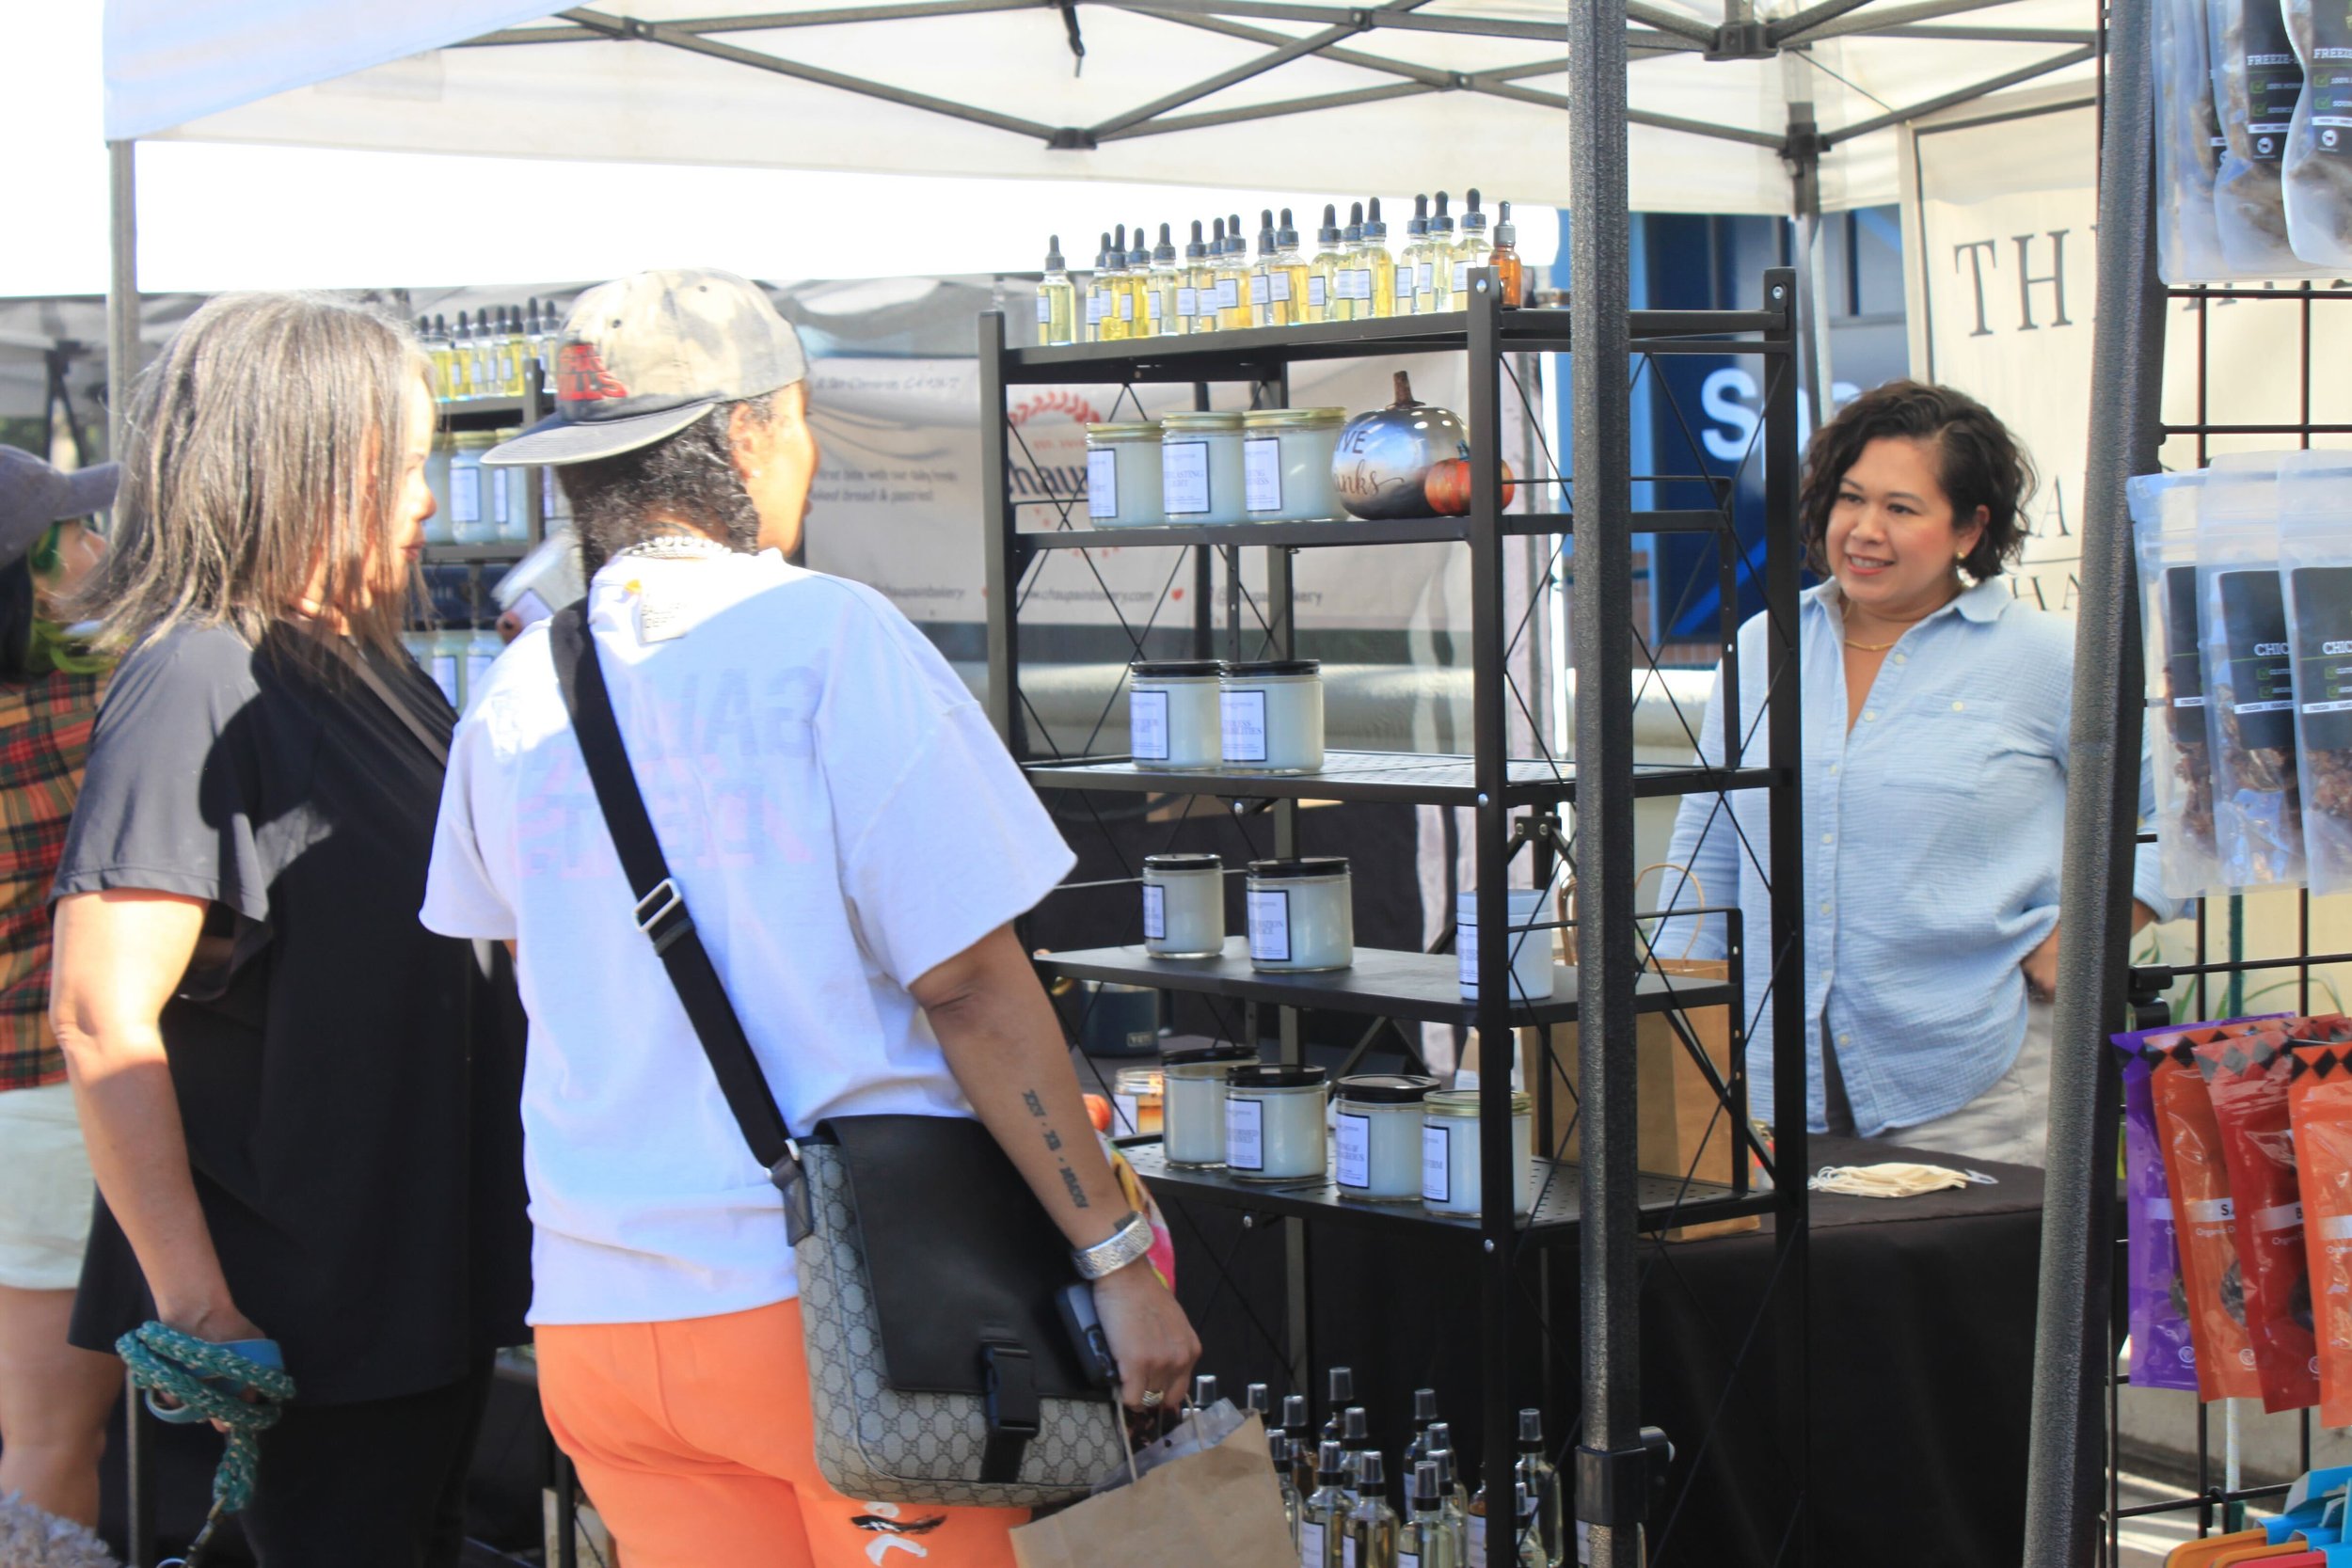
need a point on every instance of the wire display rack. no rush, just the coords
(1529, 806)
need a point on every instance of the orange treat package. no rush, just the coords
(2246, 1080)
(2319, 1099)
(2204, 1223)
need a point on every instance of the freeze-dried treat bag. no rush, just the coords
(2316, 172)
(2319, 1099)
(2163, 1353)
(2164, 519)
(2249, 674)
(2315, 558)
(2256, 85)
(2188, 147)
(2205, 1223)
(2246, 1078)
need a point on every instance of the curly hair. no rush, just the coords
(690, 477)
(1979, 463)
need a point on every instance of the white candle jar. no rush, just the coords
(1123, 475)
(1302, 918)
(1274, 1126)
(1270, 715)
(1192, 1108)
(1530, 951)
(436, 528)
(1184, 906)
(1450, 1158)
(1200, 474)
(1286, 464)
(1138, 1101)
(1377, 1134)
(1174, 714)
(472, 500)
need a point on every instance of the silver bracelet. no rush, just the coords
(1131, 1241)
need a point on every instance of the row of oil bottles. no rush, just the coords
(1147, 290)
(490, 351)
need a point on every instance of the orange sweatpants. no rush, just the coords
(692, 1440)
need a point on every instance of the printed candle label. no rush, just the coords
(2254, 616)
(1241, 716)
(1437, 1166)
(2322, 654)
(465, 495)
(2184, 675)
(1355, 1163)
(1154, 912)
(1184, 478)
(1466, 949)
(2273, 81)
(1147, 726)
(1245, 1134)
(1262, 474)
(1103, 483)
(1270, 925)
(1125, 1105)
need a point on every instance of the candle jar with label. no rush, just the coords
(436, 528)
(1286, 464)
(1530, 951)
(1136, 1102)
(1302, 918)
(1201, 473)
(1174, 714)
(1270, 715)
(1184, 906)
(1449, 1154)
(472, 502)
(1123, 475)
(1377, 1134)
(1274, 1126)
(1192, 1106)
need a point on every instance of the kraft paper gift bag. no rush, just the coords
(1217, 1505)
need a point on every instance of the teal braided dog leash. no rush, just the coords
(209, 1383)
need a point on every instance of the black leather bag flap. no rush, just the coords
(960, 1255)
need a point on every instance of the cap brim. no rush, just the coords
(90, 490)
(556, 440)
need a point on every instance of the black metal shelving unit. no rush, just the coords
(1520, 804)
(479, 414)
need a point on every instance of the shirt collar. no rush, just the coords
(1984, 602)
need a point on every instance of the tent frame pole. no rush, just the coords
(122, 289)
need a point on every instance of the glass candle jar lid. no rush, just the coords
(1387, 1088)
(1259, 669)
(1200, 421)
(1310, 866)
(1294, 418)
(1194, 1055)
(1182, 862)
(1174, 669)
(1464, 1103)
(1148, 431)
(1275, 1075)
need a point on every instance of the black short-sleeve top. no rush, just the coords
(348, 1081)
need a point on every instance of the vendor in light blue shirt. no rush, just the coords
(1935, 714)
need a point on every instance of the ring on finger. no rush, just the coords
(1153, 1398)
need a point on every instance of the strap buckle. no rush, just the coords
(666, 900)
(800, 1210)
(1014, 1414)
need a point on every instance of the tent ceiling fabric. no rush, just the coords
(1403, 95)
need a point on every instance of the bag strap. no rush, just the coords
(435, 743)
(662, 915)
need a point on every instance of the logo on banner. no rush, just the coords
(1048, 456)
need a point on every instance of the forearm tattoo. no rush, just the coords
(1052, 1141)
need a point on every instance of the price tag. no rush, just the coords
(1270, 928)
(1103, 483)
(1154, 912)
(1262, 474)
(1241, 717)
(1147, 728)
(1355, 1143)
(1184, 478)
(1244, 1136)
(1436, 1166)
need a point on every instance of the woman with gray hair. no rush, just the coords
(300, 1105)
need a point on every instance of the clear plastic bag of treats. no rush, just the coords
(2315, 559)
(2188, 147)
(2316, 172)
(2257, 84)
(2249, 676)
(2164, 526)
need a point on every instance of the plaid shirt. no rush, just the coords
(44, 739)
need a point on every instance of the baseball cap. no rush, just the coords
(33, 495)
(645, 356)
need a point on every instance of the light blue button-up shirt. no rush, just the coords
(1931, 844)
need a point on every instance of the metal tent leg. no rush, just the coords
(122, 289)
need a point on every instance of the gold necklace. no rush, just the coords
(1868, 647)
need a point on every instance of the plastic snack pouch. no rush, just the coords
(2246, 1081)
(2164, 526)
(2248, 678)
(2164, 1355)
(2205, 1223)
(2315, 560)
(2316, 172)
(2188, 147)
(2319, 1100)
(2256, 85)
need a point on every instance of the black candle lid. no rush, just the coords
(1182, 862)
(1386, 1088)
(1275, 1075)
(1171, 669)
(1221, 1050)
(1249, 670)
(1312, 866)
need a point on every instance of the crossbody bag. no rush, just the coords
(940, 1370)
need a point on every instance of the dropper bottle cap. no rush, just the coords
(1287, 235)
(1441, 223)
(1356, 223)
(1418, 223)
(1371, 1472)
(1330, 1464)
(440, 327)
(1265, 232)
(1295, 1412)
(1425, 1405)
(1217, 241)
(1163, 254)
(1053, 254)
(1142, 255)
(1102, 255)
(1471, 217)
(1119, 241)
(1234, 236)
(1374, 228)
(1329, 234)
(1356, 1426)
(464, 325)
(1506, 232)
(1425, 1492)
(1196, 249)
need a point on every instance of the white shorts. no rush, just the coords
(45, 1190)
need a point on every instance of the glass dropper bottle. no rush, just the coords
(1262, 275)
(1233, 277)
(1355, 272)
(1098, 291)
(1196, 307)
(446, 373)
(515, 347)
(435, 354)
(1436, 293)
(1141, 322)
(1167, 277)
(1378, 292)
(1472, 250)
(1056, 298)
(1119, 313)
(1510, 274)
(1408, 260)
(1290, 276)
(1322, 279)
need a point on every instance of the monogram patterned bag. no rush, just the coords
(939, 1368)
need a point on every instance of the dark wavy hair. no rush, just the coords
(689, 476)
(1977, 462)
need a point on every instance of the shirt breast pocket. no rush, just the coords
(1963, 747)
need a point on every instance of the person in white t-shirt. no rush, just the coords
(854, 843)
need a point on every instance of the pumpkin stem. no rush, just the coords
(1404, 390)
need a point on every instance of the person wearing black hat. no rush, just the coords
(53, 1397)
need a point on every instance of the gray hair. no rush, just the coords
(263, 456)
(687, 478)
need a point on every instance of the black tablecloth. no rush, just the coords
(1921, 1361)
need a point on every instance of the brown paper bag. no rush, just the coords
(1220, 1506)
